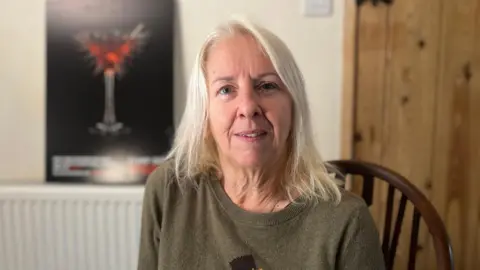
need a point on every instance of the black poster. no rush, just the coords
(109, 89)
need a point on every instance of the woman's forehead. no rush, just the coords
(237, 54)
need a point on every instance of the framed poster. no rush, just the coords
(109, 89)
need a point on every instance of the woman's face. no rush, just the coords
(250, 110)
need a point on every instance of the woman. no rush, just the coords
(243, 186)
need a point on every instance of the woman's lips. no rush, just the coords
(251, 135)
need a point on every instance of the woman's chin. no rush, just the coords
(252, 161)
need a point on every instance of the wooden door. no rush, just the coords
(414, 97)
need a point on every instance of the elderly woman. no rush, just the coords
(243, 186)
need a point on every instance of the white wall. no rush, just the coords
(315, 41)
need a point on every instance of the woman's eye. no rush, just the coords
(224, 90)
(268, 86)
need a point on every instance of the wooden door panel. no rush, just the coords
(417, 111)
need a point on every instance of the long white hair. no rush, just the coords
(192, 151)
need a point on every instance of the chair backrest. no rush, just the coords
(422, 209)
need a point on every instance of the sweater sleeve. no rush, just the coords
(360, 248)
(150, 223)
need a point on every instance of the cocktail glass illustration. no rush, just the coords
(110, 52)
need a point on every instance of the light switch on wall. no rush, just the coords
(317, 8)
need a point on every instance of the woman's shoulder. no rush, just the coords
(350, 207)
(350, 201)
(161, 181)
(164, 181)
(161, 176)
(353, 210)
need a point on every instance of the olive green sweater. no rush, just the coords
(201, 228)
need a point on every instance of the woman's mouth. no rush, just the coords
(252, 135)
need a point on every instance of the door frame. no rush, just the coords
(349, 79)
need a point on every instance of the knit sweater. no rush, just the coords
(201, 228)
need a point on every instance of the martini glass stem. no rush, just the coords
(109, 117)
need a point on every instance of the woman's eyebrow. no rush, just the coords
(231, 78)
(265, 75)
(223, 79)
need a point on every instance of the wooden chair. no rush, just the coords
(422, 209)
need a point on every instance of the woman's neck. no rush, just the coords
(253, 189)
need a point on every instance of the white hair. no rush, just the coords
(192, 152)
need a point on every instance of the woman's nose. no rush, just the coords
(249, 105)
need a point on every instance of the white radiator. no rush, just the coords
(67, 227)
